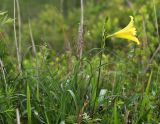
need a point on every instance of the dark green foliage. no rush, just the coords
(109, 85)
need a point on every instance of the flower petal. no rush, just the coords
(129, 37)
(129, 32)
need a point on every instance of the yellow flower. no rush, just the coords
(129, 32)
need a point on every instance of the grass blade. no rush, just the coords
(28, 104)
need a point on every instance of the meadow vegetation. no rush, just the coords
(57, 65)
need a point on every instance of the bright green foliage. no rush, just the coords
(109, 85)
(28, 104)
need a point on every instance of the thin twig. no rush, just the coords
(79, 117)
(18, 116)
(80, 34)
(19, 26)
(32, 40)
(16, 40)
(3, 72)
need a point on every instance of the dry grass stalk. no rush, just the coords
(18, 116)
(80, 34)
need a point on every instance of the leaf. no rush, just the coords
(28, 104)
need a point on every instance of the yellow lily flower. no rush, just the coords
(129, 32)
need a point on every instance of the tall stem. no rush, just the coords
(100, 64)
(16, 40)
(80, 34)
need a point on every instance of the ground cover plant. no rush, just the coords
(79, 62)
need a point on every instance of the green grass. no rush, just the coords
(115, 83)
(29, 111)
(62, 95)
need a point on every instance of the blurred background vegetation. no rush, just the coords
(55, 21)
(52, 80)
